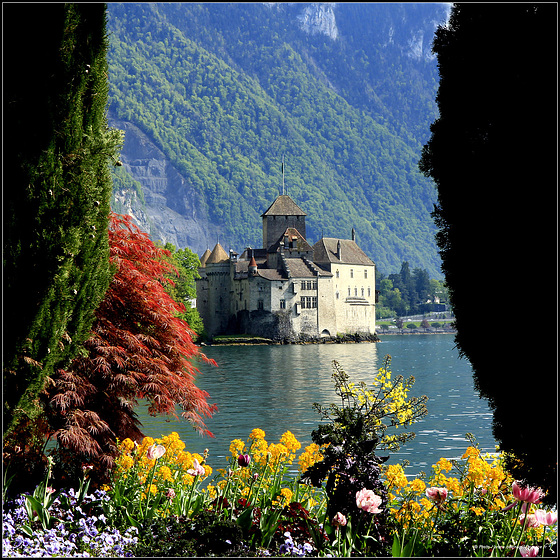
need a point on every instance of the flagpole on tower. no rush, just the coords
(283, 191)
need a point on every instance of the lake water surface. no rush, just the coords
(274, 387)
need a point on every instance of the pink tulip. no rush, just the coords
(529, 551)
(170, 493)
(437, 495)
(547, 518)
(532, 520)
(527, 494)
(155, 451)
(339, 520)
(198, 469)
(368, 501)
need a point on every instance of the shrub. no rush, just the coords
(350, 465)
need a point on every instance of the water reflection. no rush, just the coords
(274, 387)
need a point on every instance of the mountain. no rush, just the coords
(213, 96)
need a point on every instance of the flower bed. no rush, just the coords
(343, 502)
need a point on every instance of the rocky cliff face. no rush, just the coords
(319, 18)
(171, 211)
(409, 27)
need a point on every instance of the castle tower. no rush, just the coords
(283, 213)
(215, 299)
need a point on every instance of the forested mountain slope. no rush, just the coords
(213, 95)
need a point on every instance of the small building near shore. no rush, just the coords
(288, 289)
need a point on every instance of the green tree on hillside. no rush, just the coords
(492, 155)
(183, 289)
(224, 89)
(56, 196)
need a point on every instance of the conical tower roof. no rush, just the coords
(204, 257)
(218, 255)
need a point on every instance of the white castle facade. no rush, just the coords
(288, 289)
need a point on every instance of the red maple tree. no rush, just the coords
(139, 349)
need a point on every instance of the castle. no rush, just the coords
(288, 289)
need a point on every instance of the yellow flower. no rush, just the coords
(426, 503)
(278, 453)
(146, 442)
(164, 472)
(443, 465)
(284, 498)
(257, 433)
(418, 486)
(470, 452)
(289, 440)
(498, 504)
(453, 485)
(211, 490)
(396, 477)
(125, 462)
(477, 510)
(258, 451)
(152, 489)
(236, 447)
(126, 446)
(187, 479)
(309, 457)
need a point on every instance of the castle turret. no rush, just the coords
(204, 257)
(253, 267)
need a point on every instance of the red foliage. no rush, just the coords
(139, 349)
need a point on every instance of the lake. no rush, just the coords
(274, 387)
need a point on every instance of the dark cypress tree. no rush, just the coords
(492, 155)
(57, 190)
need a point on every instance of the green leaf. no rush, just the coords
(396, 549)
(245, 520)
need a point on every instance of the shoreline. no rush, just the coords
(346, 339)
(415, 332)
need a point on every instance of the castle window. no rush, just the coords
(337, 295)
(369, 292)
(365, 273)
(349, 292)
(351, 273)
(362, 292)
(260, 304)
(338, 273)
(308, 302)
(282, 304)
(356, 292)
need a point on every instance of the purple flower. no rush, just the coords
(243, 460)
